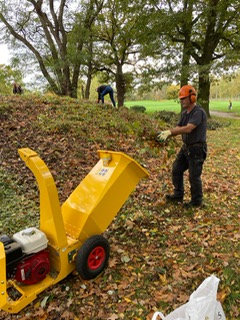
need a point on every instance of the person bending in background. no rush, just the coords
(192, 126)
(102, 91)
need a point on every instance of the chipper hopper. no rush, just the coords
(69, 237)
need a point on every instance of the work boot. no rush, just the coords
(173, 198)
(189, 205)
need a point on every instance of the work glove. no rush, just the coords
(162, 136)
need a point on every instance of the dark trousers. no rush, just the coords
(109, 90)
(189, 158)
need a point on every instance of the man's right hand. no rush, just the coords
(162, 136)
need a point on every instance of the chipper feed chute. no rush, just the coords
(93, 204)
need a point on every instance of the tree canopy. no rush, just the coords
(203, 33)
(147, 43)
(43, 31)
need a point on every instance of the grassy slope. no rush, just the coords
(159, 253)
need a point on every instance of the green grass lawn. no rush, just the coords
(174, 105)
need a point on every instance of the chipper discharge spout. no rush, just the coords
(69, 236)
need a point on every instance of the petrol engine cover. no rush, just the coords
(34, 268)
(31, 240)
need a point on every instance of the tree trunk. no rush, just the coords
(82, 91)
(185, 67)
(204, 89)
(185, 62)
(120, 85)
(90, 69)
(88, 85)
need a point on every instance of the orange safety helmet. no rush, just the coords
(188, 91)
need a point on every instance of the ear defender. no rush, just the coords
(192, 96)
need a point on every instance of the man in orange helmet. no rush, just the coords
(192, 126)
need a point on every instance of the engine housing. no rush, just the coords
(27, 257)
(34, 268)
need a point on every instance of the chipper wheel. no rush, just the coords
(92, 257)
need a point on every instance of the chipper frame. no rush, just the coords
(73, 230)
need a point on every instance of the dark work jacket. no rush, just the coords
(198, 117)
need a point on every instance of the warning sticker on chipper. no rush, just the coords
(102, 172)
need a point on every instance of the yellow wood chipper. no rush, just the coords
(70, 236)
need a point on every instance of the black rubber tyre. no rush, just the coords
(92, 257)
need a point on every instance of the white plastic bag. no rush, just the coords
(202, 304)
(178, 314)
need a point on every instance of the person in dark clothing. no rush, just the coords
(230, 105)
(17, 89)
(192, 126)
(102, 91)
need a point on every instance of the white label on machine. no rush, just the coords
(23, 274)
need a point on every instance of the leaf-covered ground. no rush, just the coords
(160, 253)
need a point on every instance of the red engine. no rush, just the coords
(27, 257)
(33, 269)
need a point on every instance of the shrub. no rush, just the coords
(138, 108)
(214, 124)
(167, 116)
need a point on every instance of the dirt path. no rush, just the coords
(224, 114)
